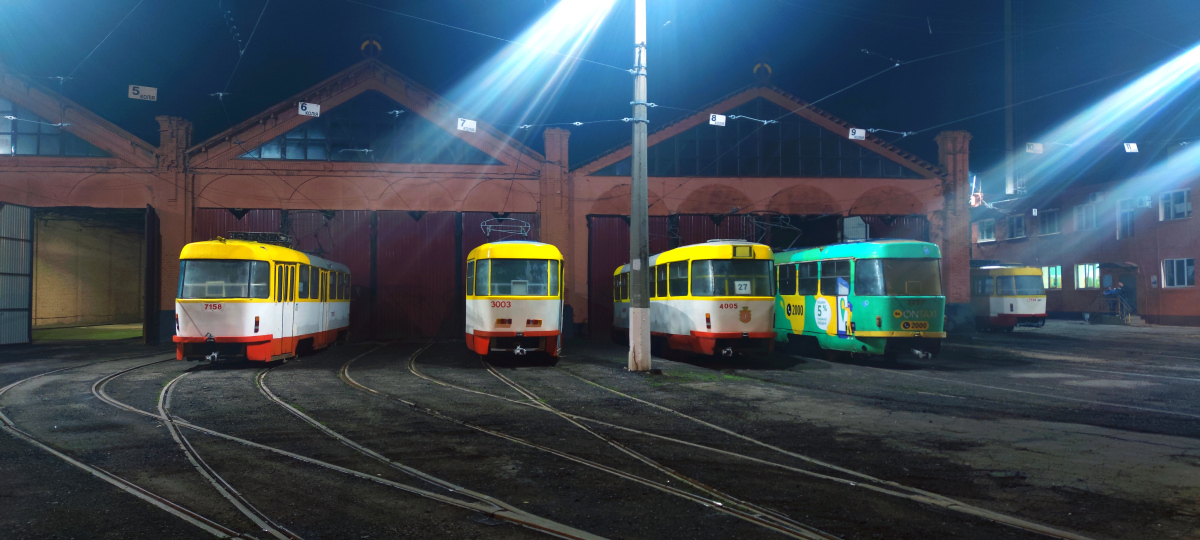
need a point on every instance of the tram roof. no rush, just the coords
(516, 249)
(243, 250)
(871, 249)
(713, 249)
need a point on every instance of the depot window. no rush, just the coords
(731, 278)
(1016, 227)
(1179, 273)
(1175, 205)
(1052, 277)
(897, 277)
(29, 134)
(1087, 276)
(986, 230)
(1048, 222)
(215, 279)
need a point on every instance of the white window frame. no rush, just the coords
(1014, 219)
(1052, 277)
(1178, 264)
(1125, 206)
(1045, 217)
(1167, 210)
(979, 230)
(1082, 213)
(1085, 273)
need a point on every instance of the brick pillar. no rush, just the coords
(555, 214)
(950, 227)
(172, 201)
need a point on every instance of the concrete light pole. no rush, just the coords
(639, 231)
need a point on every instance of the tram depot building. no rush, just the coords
(93, 218)
(1096, 234)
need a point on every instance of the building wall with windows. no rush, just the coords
(1089, 238)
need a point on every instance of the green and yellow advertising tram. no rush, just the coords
(874, 298)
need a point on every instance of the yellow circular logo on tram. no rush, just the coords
(897, 314)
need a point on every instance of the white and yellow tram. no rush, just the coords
(1003, 297)
(514, 298)
(257, 301)
(710, 298)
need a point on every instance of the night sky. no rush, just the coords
(706, 50)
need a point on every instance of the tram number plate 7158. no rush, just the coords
(213, 307)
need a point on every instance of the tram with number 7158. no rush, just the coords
(257, 301)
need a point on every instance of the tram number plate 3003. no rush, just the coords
(501, 303)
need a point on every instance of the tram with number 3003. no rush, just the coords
(874, 298)
(514, 298)
(710, 298)
(241, 299)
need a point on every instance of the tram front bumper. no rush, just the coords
(252, 347)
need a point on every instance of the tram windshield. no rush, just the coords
(209, 279)
(519, 277)
(898, 277)
(731, 278)
(1019, 286)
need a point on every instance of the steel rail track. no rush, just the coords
(767, 514)
(864, 481)
(917, 494)
(207, 525)
(527, 520)
(498, 509)
(264, 523)
(754, 518)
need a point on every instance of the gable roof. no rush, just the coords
(788, 102)
(81, 122)
(367, 75)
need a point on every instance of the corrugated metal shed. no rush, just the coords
(343, 236)
(16, 273)
(699, 228)
(906, 227)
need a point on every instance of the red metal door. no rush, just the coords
(210, 223)
(417, 286)
(342, 236)
(608, 248)
(700, 228)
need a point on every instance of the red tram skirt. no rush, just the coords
(706, 342)
(262, 348)
(481, 340)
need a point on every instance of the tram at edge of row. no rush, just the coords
(1004, 296)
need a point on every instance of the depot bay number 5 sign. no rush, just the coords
(144, 93)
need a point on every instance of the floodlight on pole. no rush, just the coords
(639, 232)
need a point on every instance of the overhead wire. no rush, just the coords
(242, 52)
(110, 33)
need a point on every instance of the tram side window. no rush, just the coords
(470, 278)
(660, 280)
(330, 286)
(554, 279)
(679, 278)
(279, 282)
(345, 286)
(302, 291)
(481, 276)
(787, 280)
(831, 271)
(617, 288)
(806, 279)
(1005, 286)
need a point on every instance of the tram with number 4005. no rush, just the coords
(257, 301)
(711, 298)
(872, 298)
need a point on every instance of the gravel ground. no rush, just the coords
(1088, 429)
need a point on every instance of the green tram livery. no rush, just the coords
(879, 297)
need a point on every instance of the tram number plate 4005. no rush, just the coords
(914, 325)
(213, 307)
(501, 303)
(729, 306)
